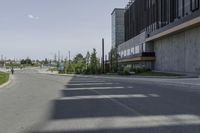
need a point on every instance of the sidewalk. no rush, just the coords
(167, 81)
(185, 82)
(173, 80)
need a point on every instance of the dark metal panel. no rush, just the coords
(151, 15)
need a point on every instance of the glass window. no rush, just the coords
(128, 52)
(194, 4)
(137, 49)
(124, 52)
(133, 50)
(144, 47)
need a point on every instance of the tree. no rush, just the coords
(93, 62)
(79, 63)
(46, 62)
(26, 61)
(113, 59)
(68, 68)
(87, 60)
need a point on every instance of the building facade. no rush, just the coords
(163, 35)
(118, 35)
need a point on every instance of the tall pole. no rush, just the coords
(59, 56)
(1, 57)
(103, 62)
(55, 57)
(111, 61)
(69, 56)
(69, 69)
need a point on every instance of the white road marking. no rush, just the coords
(104, 97)
(154, 95)
(92, 84)
(103, 123)
(87, 81)
(96, 88)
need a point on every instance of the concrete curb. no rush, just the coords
(8, 82)
(57, 74)
(130, 79)
(143, 77)
(131, 76)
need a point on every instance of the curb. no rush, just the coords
(57, 74)
(138, 78)
(147, 81)
(141, 77)
(131, 76)
(8, 82)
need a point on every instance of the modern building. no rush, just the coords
(163, 35)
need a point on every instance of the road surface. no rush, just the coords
(41, 103)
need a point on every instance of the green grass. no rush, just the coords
(157, 74)
(4, 77)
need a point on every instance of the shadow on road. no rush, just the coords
(172, 129)
(98, 106)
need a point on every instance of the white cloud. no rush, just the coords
(30, 16)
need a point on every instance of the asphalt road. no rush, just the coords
(39, 103)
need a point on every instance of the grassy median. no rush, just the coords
(4, 77)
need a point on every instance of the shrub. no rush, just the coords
(52, 69)
(126, 71)
(140, 70)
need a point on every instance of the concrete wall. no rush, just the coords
(179, 53)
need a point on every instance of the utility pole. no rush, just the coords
(1, 57)
(69, 67)
(111, 61)
(69, 56)
(62, 58)
(55, 57)
(59, 56)
(103, 62)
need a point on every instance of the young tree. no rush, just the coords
(113, 59)
(79, 63)
(93, 62)
(68, 66)
(46, 62)
(87, 60)
(26, 61)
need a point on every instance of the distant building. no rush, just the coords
(118, 35)
(163, 35)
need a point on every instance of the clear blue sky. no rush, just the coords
(39, 28)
